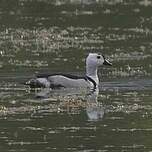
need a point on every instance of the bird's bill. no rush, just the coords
(107, 62)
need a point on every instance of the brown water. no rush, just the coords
(38, 36)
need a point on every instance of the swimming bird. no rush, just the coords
(90, 80)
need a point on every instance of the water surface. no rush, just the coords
(39, 36)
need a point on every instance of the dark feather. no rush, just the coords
(33, 83)
(65, 75)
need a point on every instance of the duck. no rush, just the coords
(56, 81)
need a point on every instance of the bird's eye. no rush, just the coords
(98, 57)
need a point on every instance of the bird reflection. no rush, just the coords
(94, 109)
(71, 98)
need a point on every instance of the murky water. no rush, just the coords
(39, 36)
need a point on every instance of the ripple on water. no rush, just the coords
(125, 97)
(41, 122)
(27, 47)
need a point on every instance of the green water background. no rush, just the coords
(56, 36)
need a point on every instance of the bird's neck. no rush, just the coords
(91, 71)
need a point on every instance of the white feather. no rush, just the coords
(67, 82)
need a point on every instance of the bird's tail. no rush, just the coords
(33, 83)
